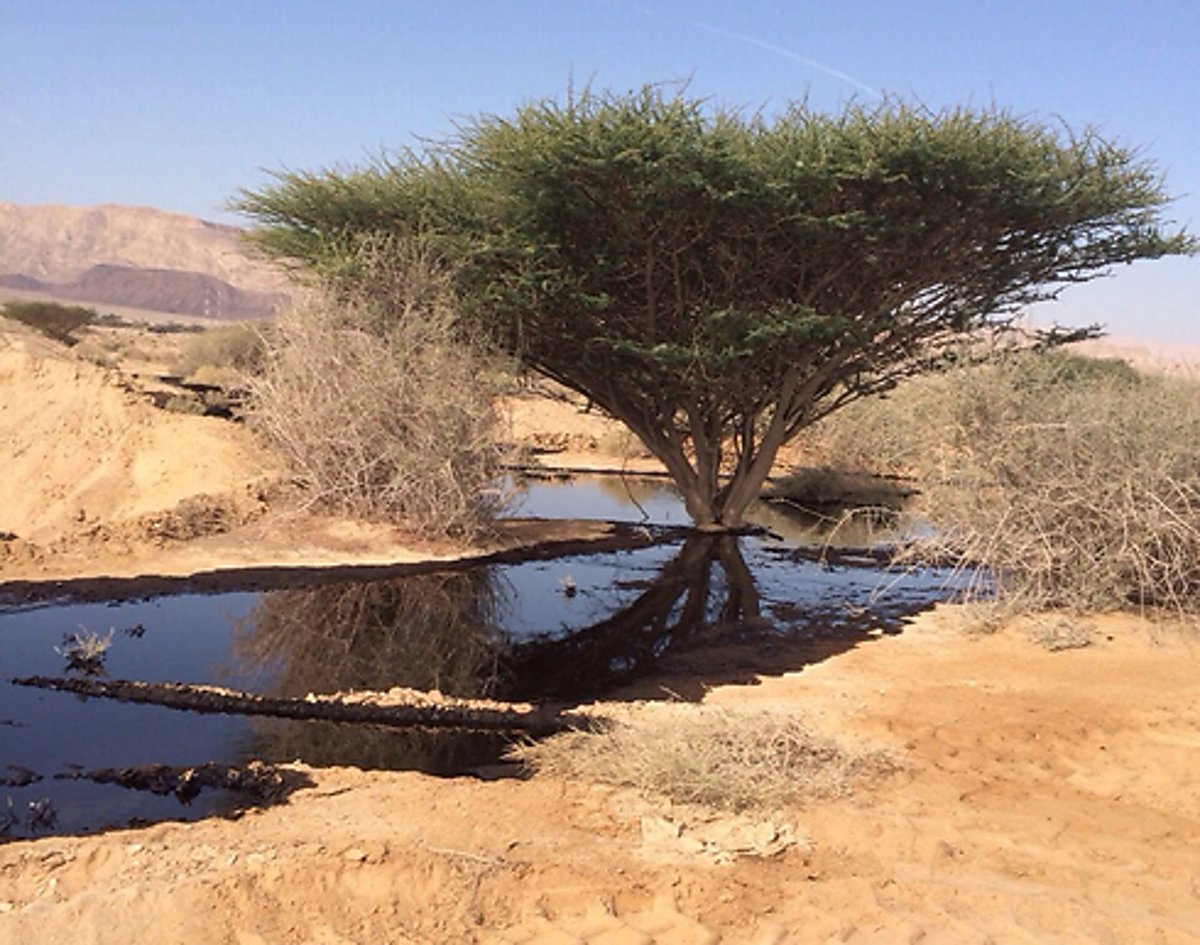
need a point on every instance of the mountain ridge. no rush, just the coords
(137, 257)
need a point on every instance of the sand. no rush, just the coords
(1041, 796)
(97, 482)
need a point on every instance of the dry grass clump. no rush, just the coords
(1056, 632)
(853, 495)
(221, 355)
(623, 443)
(1074, 482)
(381, 405)
(85, 650)
(194, 517)
(734, 761)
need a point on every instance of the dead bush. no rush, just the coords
(221, 355)
(830, 487)
(732, 761)
(193, 517)
(1075, 483)
(882, 436)
(380, 403)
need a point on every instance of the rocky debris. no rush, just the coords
(255, 780)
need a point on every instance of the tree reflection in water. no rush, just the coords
(445, 631)
(687, 595)
(429, 631)
(426, 631)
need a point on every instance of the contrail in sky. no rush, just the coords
(778, 50)
(788, 54)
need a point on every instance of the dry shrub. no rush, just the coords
(197, 516)
(1074, 482)
(808, 486)
(733, 761)
(221, 355)
(885, 435)
(623, 443)
(380, 403)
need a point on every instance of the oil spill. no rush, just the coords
(679, 615)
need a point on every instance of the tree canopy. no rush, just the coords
(718, 281)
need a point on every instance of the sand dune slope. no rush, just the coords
(80, 450)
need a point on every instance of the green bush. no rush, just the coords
(1064, 368)
(52, 319)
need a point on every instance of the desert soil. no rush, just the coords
(1041, 795)
(98, 482)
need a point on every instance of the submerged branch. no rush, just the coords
(419, 710)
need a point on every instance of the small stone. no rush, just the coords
(6, 907)
(354, 855)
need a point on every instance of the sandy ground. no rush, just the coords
(1045, 797)
(1042, 796)
(96, 481)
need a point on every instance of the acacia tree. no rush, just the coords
(718, 282)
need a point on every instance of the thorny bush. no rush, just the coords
(380, 402)
(1068, 482)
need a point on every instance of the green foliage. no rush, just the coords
(718, 282)
(52, 319)
(1059, 369)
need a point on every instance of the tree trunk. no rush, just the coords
(713, 507)
(746, 484)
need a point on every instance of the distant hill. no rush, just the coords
(135, 257)
(1145, 355)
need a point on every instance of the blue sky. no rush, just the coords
(179, 104)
